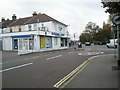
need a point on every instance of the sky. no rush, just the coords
(74, 13)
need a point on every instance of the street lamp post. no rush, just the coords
(67, 40)
(74, 41)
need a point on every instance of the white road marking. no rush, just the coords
(32, 58)
(35, 57)
(80, 54)
(15, 67)
(0, 63)
(90, 53)
(54, 57)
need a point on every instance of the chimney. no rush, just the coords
(8, 19)
(34, 13)
(14, 17)
(3, 19)
(39, 13)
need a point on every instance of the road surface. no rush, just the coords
(44, 70)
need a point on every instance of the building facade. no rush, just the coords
(39, 32)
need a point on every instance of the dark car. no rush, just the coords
(87, 43)
(79, 45)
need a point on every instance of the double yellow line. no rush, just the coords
(58, 84)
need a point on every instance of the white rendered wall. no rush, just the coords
(54, 45)
(36, 43)
(7, 43)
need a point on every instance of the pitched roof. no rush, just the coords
(29, 20)
(6, 23)
(42, 18)
(20, 21)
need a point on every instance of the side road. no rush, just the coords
(97, 74)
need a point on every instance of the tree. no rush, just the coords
(94, 34)
(85, 37)
(110, 19)
(111, 7)
(105, 33)
(88, 34)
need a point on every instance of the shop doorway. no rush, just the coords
(1, 47)
(42, 42)
(15, 42)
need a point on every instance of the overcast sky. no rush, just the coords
(75, 13)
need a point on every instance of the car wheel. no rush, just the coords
(108, 46)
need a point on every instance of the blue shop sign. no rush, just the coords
(17, 36)
(56, 34)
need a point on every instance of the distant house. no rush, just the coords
(40, 30)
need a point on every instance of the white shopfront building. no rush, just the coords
(37, 33)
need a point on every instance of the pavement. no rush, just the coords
(96, 74)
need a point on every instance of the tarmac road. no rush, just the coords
(43, 70)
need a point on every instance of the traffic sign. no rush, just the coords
(116, 19)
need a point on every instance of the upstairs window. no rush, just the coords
(19, 29)
(10, 29)
(29, 27)
(35, 26)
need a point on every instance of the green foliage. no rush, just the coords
(85, 37)
(111, 7)
(103, 35)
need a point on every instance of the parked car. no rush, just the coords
(111, 43)
(87, 43)
(79, 44)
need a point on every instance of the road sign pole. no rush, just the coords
(114, 46)
(114, 28)
(118, 47)
(116, 21)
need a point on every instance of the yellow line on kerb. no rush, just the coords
(58, 84)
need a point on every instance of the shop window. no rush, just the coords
(55, 41)
(66, 42)
(62, 42)
(48, 42)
